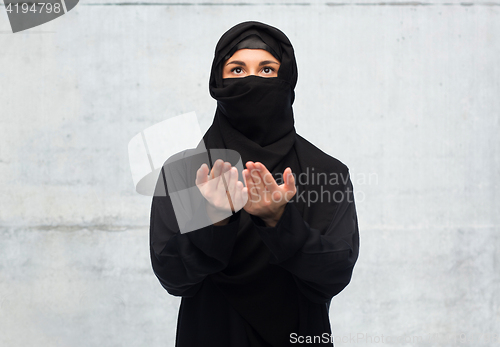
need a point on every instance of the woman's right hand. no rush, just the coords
(223, 191)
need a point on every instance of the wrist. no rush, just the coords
(272, 221)
(218, 217)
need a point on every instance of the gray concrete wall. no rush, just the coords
(404, 93)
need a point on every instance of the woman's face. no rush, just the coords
(245, 62)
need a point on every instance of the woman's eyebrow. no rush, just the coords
(265, 62)
(242, 63)
(237, 62)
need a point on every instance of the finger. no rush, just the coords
(216, 169)
(267, 177)
(202, 174)
(250, 166)
(256, 179)
(226, 166)
(289, 185)
(240, 199)
(244, 191)
(216, 174)
(230, 182)
(223, 179)
(226, 174)
(249, 163)
(287, 176)
(261, 189)
(251, 189)
(236, 188)
(230, 186)
(233, 178)
(244, 176)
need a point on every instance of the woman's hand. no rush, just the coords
(266, 199)
(223, 191)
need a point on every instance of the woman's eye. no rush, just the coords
(236, 70)
(268, 70)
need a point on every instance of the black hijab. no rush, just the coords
(254, 114)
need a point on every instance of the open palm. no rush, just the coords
(267, 199)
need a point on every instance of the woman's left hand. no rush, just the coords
(267, 199)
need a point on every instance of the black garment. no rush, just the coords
(245, 284)
(252, 42)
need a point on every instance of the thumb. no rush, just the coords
(289, 185)
(202, 174)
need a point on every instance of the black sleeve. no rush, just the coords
(321, 261)
(181, 261)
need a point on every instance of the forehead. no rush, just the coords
(252, 54)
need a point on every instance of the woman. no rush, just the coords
(264, 276)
